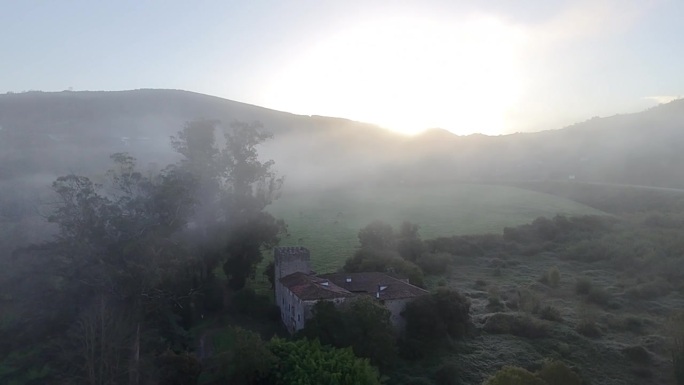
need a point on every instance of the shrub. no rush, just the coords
(513, 375)
(528, 301)
(554, 277)
(649, 290)
(178, 369)
(308, 362)
(598, 296)
(495, 303)
(430, 319)
(633, 324)
(557, 373)
(434, 263)
(675, 330)
(521, 326)
(550, 313)
(246, 301)
(551, 277)
(447, 374)
(637, 353)
(583, 286)
(588, 328)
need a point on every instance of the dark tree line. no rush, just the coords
(133, 265)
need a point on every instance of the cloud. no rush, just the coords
(662, 99)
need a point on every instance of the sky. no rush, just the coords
(492, 67)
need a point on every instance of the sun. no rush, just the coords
(409, 74)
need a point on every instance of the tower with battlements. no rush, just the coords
(287, 261)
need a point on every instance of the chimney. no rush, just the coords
(325, 283)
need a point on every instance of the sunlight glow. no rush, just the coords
(409, 74)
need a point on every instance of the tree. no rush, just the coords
(178, 368)
(370, 331)
(235, 187)
(361, 324)
(116, 244)
(377, 236)
(308, 362)
(249, 361)
(432, 319)
(408, 243)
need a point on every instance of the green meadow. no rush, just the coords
(327, 222)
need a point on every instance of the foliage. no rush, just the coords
(599, 296)
(377, 235)
(447, 374)
(434, 263)
(514, 324)
(551, 278)
(583, 286)
(178, 368)
(550, 313)
(512, 375)
(431, 319)
(308, 362)
(675, 330)
(361, 324)
(249, 361)
(587, 327)
(557, 373)
(246, 301)
(233, 187)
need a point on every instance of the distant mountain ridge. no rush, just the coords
(55, 133)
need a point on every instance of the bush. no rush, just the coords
(447, 374)
(554, 277)
(246, 301)
(434, 263)
(649, 290)
(521, 326)
(432, 319)
(308, 362)
(588, 328)
(513, 375)
(557, 373)
(528, 301)
(583, 286)
(551, 278)
(494, 303)
(550, 313)
(178, 369)
(637, 353)
(598, 296)
(675, 331)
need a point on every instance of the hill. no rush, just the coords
(52, 133)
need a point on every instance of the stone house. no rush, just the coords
(297, 288)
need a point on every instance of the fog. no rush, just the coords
(188, 232)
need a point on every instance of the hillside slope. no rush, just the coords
(55, 133)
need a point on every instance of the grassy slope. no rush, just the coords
(327, 222)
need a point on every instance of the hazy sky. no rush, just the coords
(492, 67)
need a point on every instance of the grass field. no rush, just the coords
(327, 222)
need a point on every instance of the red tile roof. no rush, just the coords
(373, 282)
(309, 287)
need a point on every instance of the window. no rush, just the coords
(299, 317)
